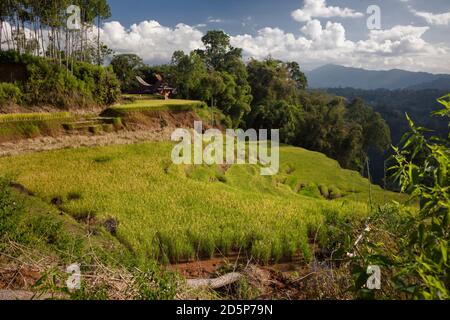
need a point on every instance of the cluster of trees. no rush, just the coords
(393, 104)
(39, 27)
(267, 94)
(46, 62)
(313, 120)
(49, 84)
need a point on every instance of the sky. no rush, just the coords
(407, 34)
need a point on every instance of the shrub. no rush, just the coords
(51, 83)
(9, 94)
(415, 250)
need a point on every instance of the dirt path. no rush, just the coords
(26, 295)
(76, 141)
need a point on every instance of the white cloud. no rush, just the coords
(150, 40)
(319, 9)
(318, 43)
(441, 19)
(398, 47)
(396, 41)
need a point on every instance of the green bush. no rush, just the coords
(413, 247)
(9, 94)
(51, 83)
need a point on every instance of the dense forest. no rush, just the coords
(393, 105)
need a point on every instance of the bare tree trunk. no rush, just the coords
(42, 39)
(215, 283)
(98, 40)
(1, 33)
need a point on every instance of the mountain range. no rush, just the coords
(335, 76)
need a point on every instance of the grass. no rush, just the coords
(31, 125)
(33, 117)
(175, 213)
(154, 105)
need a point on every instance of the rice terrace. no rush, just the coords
(93, 205)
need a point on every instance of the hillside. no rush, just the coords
(174, 213)
(334, 76)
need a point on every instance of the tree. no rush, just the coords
(127, 67)
(270, 83)
(216, 75)
(218, 50)
(376, 132)
(188, 70)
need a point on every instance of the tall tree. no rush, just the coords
(127, 67)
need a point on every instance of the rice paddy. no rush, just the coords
(177, 213)
(23, 117)
(142, 105)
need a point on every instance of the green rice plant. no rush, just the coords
(324, 191)
(154, 105)
(28, 117)
(178, 213)
(334, 192)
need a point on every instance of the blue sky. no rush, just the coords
(413, 35)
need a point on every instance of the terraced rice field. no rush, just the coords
(177, 213)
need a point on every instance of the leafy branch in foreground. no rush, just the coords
(413, 249)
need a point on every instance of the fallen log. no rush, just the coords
(215, 283)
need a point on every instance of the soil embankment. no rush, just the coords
(152, 126)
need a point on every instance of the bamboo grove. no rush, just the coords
(39, 28)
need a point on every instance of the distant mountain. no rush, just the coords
(442, 83)
(334, 76)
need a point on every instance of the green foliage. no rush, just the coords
(152, 105)
(30, 125)
(312, 120)
(24, 117)
(174, 213)
(419, 259)
(40, 230)
(127, 67)
(216, 75)
(375, 132)
(9, 94)
(154, 284)
(50, 83)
